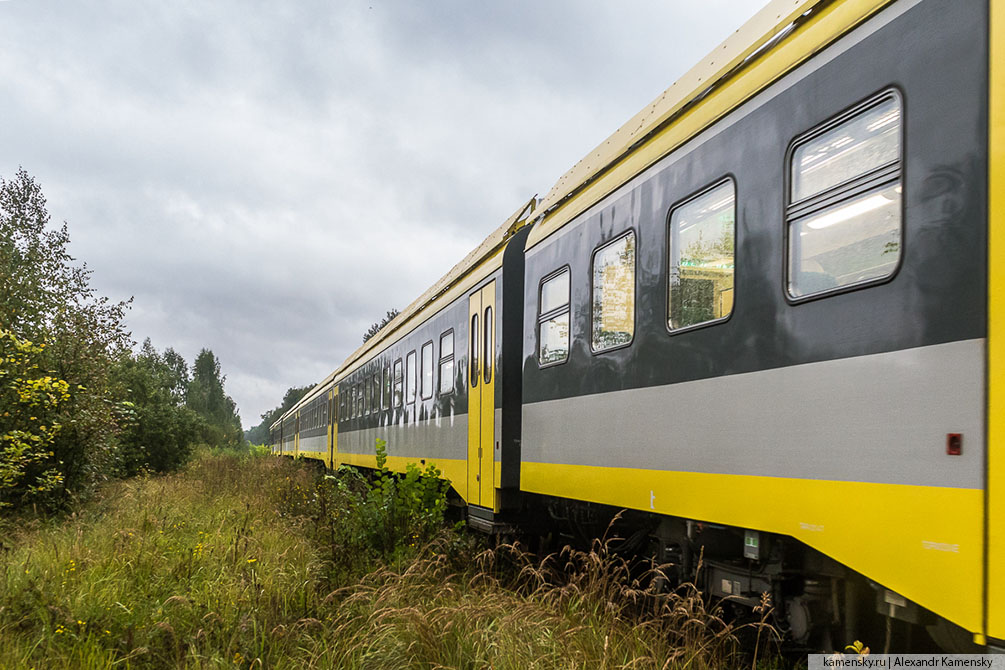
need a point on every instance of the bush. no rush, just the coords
(30, 402)
(359, 519)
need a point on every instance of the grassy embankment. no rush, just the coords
(256, 561)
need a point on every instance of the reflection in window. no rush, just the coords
(385, 393)
(555, 339)
(855, 241)
(473, 354)
(397, 383)
(851, 233)
(427, 371)
(702, 235)
(614, 293)
(869, 140)
(410, 377)
(447, 362)
(488, 352)
(553, 319)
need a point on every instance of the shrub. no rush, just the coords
(30, 400)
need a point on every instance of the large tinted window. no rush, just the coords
(426, 387)
(844, 214)
(614, 293)
(397, 383)
(553, 319)
(446, 365)
(385, 394)
(410, 380)
(702, 234)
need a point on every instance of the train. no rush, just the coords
(764, 321)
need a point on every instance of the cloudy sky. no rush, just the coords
(268, 178)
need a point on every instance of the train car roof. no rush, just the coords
(481, 261)
(752, 40)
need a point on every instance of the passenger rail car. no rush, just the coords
(766, 317)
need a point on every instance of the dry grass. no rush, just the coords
(228, 564)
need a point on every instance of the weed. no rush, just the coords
(260, 562)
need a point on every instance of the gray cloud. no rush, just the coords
(267, 178)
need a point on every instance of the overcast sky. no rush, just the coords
(268, 178)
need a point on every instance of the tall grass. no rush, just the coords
(259, 562)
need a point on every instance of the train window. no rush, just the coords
(410, 381)
(488, 353)
(473, 365)
(427, 371)
(397, 383)
(553, 319)
(375, 389)
(447, 362)
(844, 214)
(359, 399)
(614, 293)
(366, 395)
(385, 393)
(701, 249)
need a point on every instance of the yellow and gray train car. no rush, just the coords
(766, 317)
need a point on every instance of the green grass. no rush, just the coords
(259, 562)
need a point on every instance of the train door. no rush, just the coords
(296, 437)
(332, 426)
(481, 396)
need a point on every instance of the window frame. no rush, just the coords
(885, 175)
(488, 345)
(729, 177)
(432, 370)
(474, 339)
(554, 313)
(635, 290)
(411, 379)
(452, 358)
(385, 387)
(397, 400)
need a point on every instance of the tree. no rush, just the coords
(158, 430)
(29, 408)
(375, 328)
(260, 434)
(46, 297)
(205, 395)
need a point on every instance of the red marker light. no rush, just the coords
(954, 444)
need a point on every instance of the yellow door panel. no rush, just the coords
(481, 379)
(474, 398)
(487, 402)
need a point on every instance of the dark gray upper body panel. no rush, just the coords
(934, 53)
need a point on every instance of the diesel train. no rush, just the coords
(766, 317)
